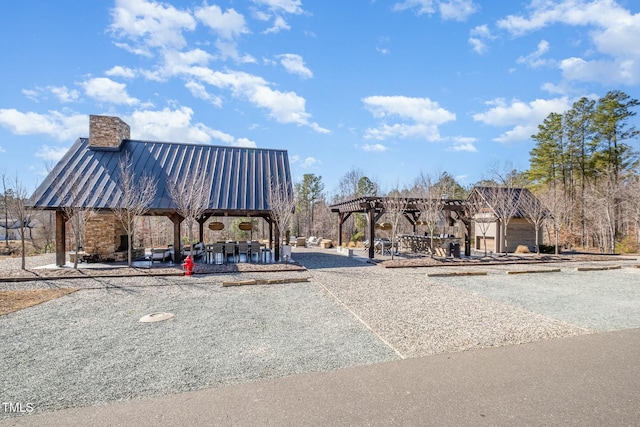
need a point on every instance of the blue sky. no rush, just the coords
(393, 88)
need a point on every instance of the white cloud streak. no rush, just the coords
(54, 124)
(294, 64)
(420, 117)
(458, 10)
(523, 118)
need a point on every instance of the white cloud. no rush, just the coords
(286, 6)
(51, 153)
(284, 107)
(279, 24)
(478, 37)
(374, 147)
(467, 146)
(524, 118)
(294, 64)
(120, 71)
(309, 162)
(614, 32)
(63, 94)
(106, 90)
(176, 126)
(227, 25)
(57, 125)
(150, 24)
(458, 10)
(423, 114)
(244, 142)
(199, 91)
(534, 59)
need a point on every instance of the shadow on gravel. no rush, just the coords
(316, 260)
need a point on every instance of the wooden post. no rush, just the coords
(177, 220)
(61, 238)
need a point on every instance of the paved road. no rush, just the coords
(579, 381)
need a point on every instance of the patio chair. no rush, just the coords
(160, 255)
(230, 249)
(218, 253)
(243, 249)
(255, 250)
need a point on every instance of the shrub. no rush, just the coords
(357, 237)
(547, 249)
(522, 249)
(626, 246)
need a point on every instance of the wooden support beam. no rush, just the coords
(61, 238)
(176, 219)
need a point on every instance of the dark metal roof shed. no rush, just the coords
(238, 178)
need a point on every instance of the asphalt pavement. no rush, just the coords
(587, 380)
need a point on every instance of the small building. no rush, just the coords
(238, 181)
(487, 226)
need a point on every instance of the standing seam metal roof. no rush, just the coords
(238, 178)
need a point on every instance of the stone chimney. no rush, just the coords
(107, 132)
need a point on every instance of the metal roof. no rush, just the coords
(238, 178)
(517, 195)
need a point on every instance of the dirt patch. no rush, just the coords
(11, 301)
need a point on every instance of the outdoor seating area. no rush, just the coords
(222, 252)
(422, 244)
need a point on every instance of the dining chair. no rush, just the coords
(218, 253)
(243, 249)
(255, 250)
(230, 249)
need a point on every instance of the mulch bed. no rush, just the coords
(497, 260)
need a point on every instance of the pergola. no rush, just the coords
(374, 207)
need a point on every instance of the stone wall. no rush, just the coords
(102, 235)
(107, 131)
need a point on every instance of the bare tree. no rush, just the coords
(559, 210)
(505, 202)
(534, 212)
(281, 207)
(77, 216)
(5, 208)
(430, 202)
(394, 209)
(20, 213)
(482, 215)
(632, 198)
(191, 197)
(601, 209)
(137, 193)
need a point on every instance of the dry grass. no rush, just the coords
(11, 301)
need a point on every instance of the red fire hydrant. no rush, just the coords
(187, 266)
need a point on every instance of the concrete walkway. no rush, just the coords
(583, 381)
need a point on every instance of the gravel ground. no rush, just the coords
(88, 347)
(418, 316)
(597, 300)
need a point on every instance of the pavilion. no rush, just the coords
(238, 181)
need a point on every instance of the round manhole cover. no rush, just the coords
(155, 317)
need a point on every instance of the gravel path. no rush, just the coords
(88, 347)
